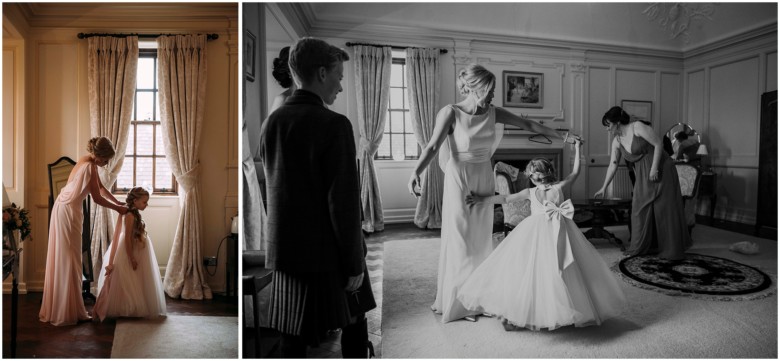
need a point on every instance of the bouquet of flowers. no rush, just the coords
(17, 218)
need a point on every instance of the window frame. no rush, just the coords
(406, 112)
(132, 155)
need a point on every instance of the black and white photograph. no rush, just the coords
(532, 180)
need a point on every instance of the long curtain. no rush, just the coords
(182, 88)
(112, 64)
(253, 213)
(372, 81)
(423, 81)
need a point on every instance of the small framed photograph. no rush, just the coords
(638, 109)
(249, 55)
(523, 90)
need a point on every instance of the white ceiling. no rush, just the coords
(619, 24)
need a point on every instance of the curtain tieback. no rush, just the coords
(188, 179)
(369, 147)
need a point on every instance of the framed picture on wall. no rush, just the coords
(523, 90)
(638, 109)
(249, 56)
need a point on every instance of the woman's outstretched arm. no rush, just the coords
(443, 127)
(506, 117)
(613, 164)
(94, 190)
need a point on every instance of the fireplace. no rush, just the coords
(519, 158)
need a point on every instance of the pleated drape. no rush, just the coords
(372, 81)
(423, 81)
(182, 88)
(112, 64)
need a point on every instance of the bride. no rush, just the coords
(466, 134)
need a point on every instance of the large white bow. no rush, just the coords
(558, 213)
(566, 209)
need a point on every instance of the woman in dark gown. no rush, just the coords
(657, 216)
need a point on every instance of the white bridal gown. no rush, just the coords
(465, 231)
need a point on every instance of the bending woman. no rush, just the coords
(658, 222)
(62, 303)
(472, 130)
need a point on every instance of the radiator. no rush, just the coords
(621, 185)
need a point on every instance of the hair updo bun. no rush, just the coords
(281, 70)
(475, 77)
(101, 147)
(540, 170)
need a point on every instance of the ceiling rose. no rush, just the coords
(676, 18)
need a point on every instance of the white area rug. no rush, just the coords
(183, 337)
(652, 325)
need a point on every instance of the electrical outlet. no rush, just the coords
(209, 261)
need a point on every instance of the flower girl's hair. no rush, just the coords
(139, 227)
(540, 170)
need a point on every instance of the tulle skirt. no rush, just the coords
(531, 282)
(132, 293)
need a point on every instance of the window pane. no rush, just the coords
(125, 177)
(396, 121)
(146, 73)
(411, 145)
(143, 175)
(398, 146)
(144, 139)
(157, 106)
(396, 98)
(396, 75)
(408, 123)
(158, 141)
(406, 98)
(384, 147)
(403, 75)
(143, 106)
(164, 177)
(130, 142)
(387, 122)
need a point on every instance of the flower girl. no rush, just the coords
(545, 273)
(130, 284)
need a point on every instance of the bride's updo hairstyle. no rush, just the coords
(615, 114)
(474, 78)
(101, 147)
(139, 227)
(540, 170)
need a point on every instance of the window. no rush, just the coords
(398, 141)
(145, 164)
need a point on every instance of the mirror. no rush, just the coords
(682, 142)
(59, 172)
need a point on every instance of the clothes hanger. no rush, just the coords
(546, 141)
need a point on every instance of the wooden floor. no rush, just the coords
(37, 339)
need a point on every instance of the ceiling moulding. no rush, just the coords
(766, 31)
(282, 16)
(62, 15)
(490, 41)
(298, 14)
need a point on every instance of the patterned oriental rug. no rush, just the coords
(697, 276)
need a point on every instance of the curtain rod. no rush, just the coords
(84, 36)
(441, 51)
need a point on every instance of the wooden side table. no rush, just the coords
(707, 186)
(606, 212)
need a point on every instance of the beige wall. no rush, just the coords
(58, 125)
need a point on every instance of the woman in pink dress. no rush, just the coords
(62, 303)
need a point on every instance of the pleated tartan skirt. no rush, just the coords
(308, 304)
